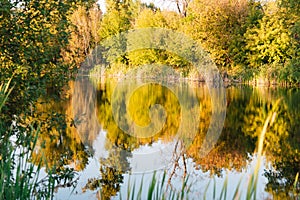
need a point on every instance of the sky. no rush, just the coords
(163, 4)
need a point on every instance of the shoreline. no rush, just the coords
(227, 82)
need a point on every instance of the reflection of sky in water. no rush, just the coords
(145, 158)
(141, 160)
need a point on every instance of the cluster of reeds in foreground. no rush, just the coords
(19, 177)
(156, 190)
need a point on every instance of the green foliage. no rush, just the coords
(246, 39)
(256, 114)
(291, 72)
(33, 34)
(84, 36)
(118, 18)
(271, 45)
(149, 18)
(217, 26)
(292, 5)
(111, 180)
(19, 169)
(4, 93)
(41, 42)
(269, 42)
(113, 23)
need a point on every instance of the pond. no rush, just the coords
(113, 160)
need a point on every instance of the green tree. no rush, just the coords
(149, 18)
(32, 36)
(291, 71)
(118, 18)
(219, 26)
(293, 6)
(269, 43)
(84, 28)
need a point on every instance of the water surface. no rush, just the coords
(106, 157)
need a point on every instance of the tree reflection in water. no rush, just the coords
(247, 108)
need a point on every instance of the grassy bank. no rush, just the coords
(250, 77)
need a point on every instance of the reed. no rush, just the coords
(157, 189)
(19, 177)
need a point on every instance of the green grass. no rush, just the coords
(19, 177)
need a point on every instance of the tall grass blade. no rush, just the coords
(224, 188)
(151, 189)
(296, 181)
(133, 192)
(215, 188)
(173, 196)
(162, 185)
(4, 92)
(236, 192)
(128, 189)
(250, 187)
(206, 189)
(184, 186)
(139, 195)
